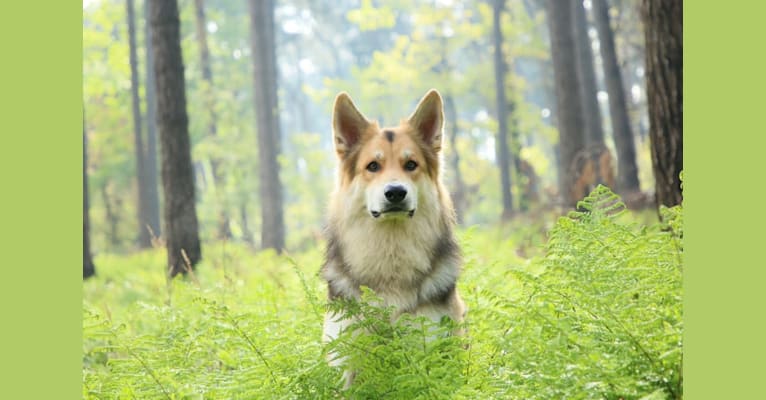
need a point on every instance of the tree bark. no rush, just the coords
(501, 146)
(150, 157)
(247, 235)
(88, 268)
(181, 231)
(224, 228)
(267, 121)
(627, 171)
(112, 217)
(663, 32)
(144, 237)
(568, 99)
(594, 131)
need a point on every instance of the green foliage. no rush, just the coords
(411, 358)
(604, 320)
(593, 313)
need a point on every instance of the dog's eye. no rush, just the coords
(410, 165)
(373, 166)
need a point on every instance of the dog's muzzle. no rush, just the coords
(396, 201)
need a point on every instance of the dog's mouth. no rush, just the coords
(393, 211)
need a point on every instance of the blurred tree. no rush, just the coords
(181, 231)
(502, 149)
(267, 121)
(594, 132)
(150, 156)
(88, 268)
(568, 98)
(458, 186)
(144, 237)
(546, 86)
(224, 230)
(628, 29)
(627, 171)
(247, 234)
(663, 27)
(107, 97)
(112, 206)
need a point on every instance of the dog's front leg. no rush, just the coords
(334, 324)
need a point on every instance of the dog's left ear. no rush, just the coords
(428, 119)
(348, 124)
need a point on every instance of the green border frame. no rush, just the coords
(723, 156)
(40, 211)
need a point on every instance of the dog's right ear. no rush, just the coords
(348, 124)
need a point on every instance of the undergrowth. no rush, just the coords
(592, 309)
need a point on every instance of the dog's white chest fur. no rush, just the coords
(392, 257)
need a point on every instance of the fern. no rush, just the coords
(604, 320)
(412, 357)
(594, 313)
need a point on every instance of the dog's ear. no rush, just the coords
(428, 119)
(348, 124)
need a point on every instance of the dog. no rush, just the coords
(391, 220)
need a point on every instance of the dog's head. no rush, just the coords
(392, 165)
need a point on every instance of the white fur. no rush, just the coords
(376, 199)
(375, 251)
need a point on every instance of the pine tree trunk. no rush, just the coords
(301, 98)
(181, 231)
(568, 99)
(150, 157)
(627, 171)
(594, 131)
(88, 268)
(267, 120)
(247, 235)
(224, 229)
(663, 30)
(112, 218)
(144, 237)
(458, 188)
(501, 146)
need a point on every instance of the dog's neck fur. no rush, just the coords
(373, 252)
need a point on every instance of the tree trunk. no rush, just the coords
(88, 268)
(150, 157)
(501, 146)
(458, 188)
(224, 229)
(181, 234)
(111, 217)
(568, 99)
(267, 120)
(301, 98)
(627, 171)
(247, 235)
(594, 131)
(663, 32)
(515, 155)
(144, 237)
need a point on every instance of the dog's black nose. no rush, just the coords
(395, 193)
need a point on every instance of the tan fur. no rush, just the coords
(411, 262)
